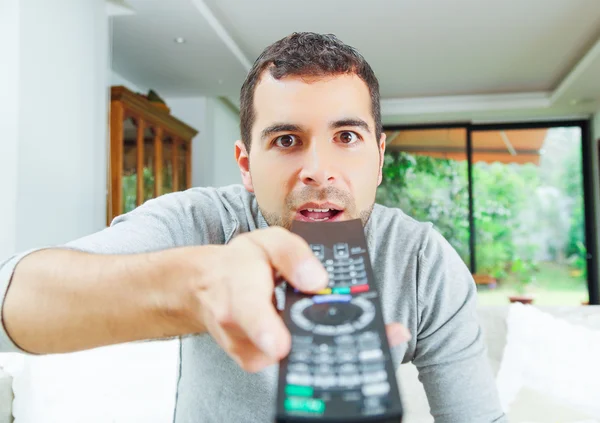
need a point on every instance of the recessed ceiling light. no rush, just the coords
(180, 40)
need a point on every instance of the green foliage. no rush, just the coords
(513, 205)
(429, 189)
(130, 188)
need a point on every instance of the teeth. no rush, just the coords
(318, 220)
(318, 210)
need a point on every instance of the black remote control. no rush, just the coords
(340, 368)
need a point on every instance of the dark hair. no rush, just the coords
(306, 54)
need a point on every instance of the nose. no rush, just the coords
(317, 168)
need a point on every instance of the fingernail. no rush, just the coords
(311, 275)
(267, 344)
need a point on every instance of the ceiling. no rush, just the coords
(504, 146)
(437, 61)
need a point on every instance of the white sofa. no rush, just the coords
(147, 374)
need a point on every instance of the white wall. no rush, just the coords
(9, 124)
(213, 162)
(57, 138)
(116, 79)
(226, 131)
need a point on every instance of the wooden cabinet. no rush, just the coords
(150, 152)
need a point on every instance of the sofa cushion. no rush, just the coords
(548, 354)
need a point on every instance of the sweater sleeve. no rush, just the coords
(451, 354)
(193, 217)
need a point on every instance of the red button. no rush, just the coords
(359, 288)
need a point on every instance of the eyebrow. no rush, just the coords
(356, 122)
(290, 127)
(279, 127)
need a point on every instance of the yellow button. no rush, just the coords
(324, 291)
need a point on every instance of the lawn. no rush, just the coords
(554, 285)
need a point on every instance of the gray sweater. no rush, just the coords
(423, 284)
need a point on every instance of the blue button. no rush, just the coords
(319, 299)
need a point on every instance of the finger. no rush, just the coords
(254, 312)
(233, 341)
(397, 334)
(292, 257)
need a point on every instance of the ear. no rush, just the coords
(243, 160)
(381, 157)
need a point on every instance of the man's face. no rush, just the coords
(314, 153)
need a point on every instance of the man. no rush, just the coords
(202, 262)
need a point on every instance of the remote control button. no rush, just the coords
(301, 340)
(341, 290)
(360, 275)
(371, 355)
(304, 405)
(324, 291)
(368, 336)
(343, 278)
(359, 288)
(298, 368)
(373, 366)
(341, 250)
(299, 379)
(301, 346)
(347, 357)
(300, 356)
(376, 389)
(299, 391)
(349, 381)
(348, 368)
(324, 330)
(334, 312)
(344, 340)
(325, 381)
(363, 321)
(303, 322)
(324, 359)
(319, 250)
(328, 262)
(344, 329)
(369, 343)
(332, 298)
(362, 281)
(375, 377)
(324, 369)
(323, 348)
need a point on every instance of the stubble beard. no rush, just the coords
(308, 194)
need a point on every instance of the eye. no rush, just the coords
(347, 137)
(285, 141)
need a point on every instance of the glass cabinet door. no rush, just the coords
(149, 167)
(182, 166)
(129, 175)
(167, 167)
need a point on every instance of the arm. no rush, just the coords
(111, 286)
(61, 300)
(157, 272)
(451, 353)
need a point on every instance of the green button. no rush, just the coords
(298, 391)
(341, 290)
(306, 405)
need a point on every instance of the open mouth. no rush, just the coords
(319, 215)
